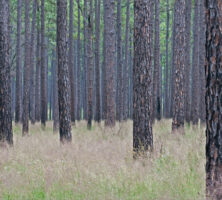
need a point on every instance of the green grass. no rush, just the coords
(99, 165)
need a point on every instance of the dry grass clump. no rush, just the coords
(99, 164)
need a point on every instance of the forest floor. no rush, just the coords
(99, 165)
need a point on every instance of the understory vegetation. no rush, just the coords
(99, 165)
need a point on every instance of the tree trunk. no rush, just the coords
(202, 80)
(5, 79)
(179, 64)
(195, 67)
(97, 60)
(63, 74)
(188, 62)
(71, 62)
(110, 62)
(142, 76)
(43, 67)
(32, 68)
(18, 107)
(213, 99)
(156, 79)
(166, 89)
(25, 128)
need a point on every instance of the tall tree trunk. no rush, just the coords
(195, 67)
(97, 60)
(142, 76)
(119, 107)
(43, 67)
(202, 80)
(156, 79)
(90, 64)
(179, 64)
(71, 62)
(37, 76)
(110, 62)
(166, 88)
(213, 99)
(5, 79)
(63, 74)
(18, 108)
(32, 68)
(25, 128)
(188, 62)
(126, 64)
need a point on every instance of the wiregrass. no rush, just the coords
(99, 165)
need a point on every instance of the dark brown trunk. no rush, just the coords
(63, 74)
(5, 79)
(142, 76)
(179, 64)
(213, 99)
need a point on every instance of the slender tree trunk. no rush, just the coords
(32, 68)
(5, 79)
(37, 78)
(25, 128)
(213, 100)
(43, 67)
(71, 61)
(195, 67)
(110, 62)
(142, 76)
(156, 79)
(188, 62)
(202, 80)
(90, 64)
(97, 60)
(166, 89)
(179, 64)
(119, 107)
(63, 77)
(18, 108)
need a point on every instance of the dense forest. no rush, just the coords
(109, 63)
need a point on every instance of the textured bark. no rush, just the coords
(18, 107)
(188, 62)
(90, 63)
(26, 75)
(126, 65)
(142, 76)
(119, 107)
(32, 68)
(37, 76)
(63, 74)
(213, 99)
(166, 88)
(179, 64)
(110, 62)
(156, 78)
(202, 80)
(5, 80)
(43, 67)
(195, 67)
(97, 60)
(71, 62)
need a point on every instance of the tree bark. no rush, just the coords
(195, 67)
(63, 76)
(110, 62)
(179, 64)
(213, 99)
(18, 107)
(5, 79)
(142, 76)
